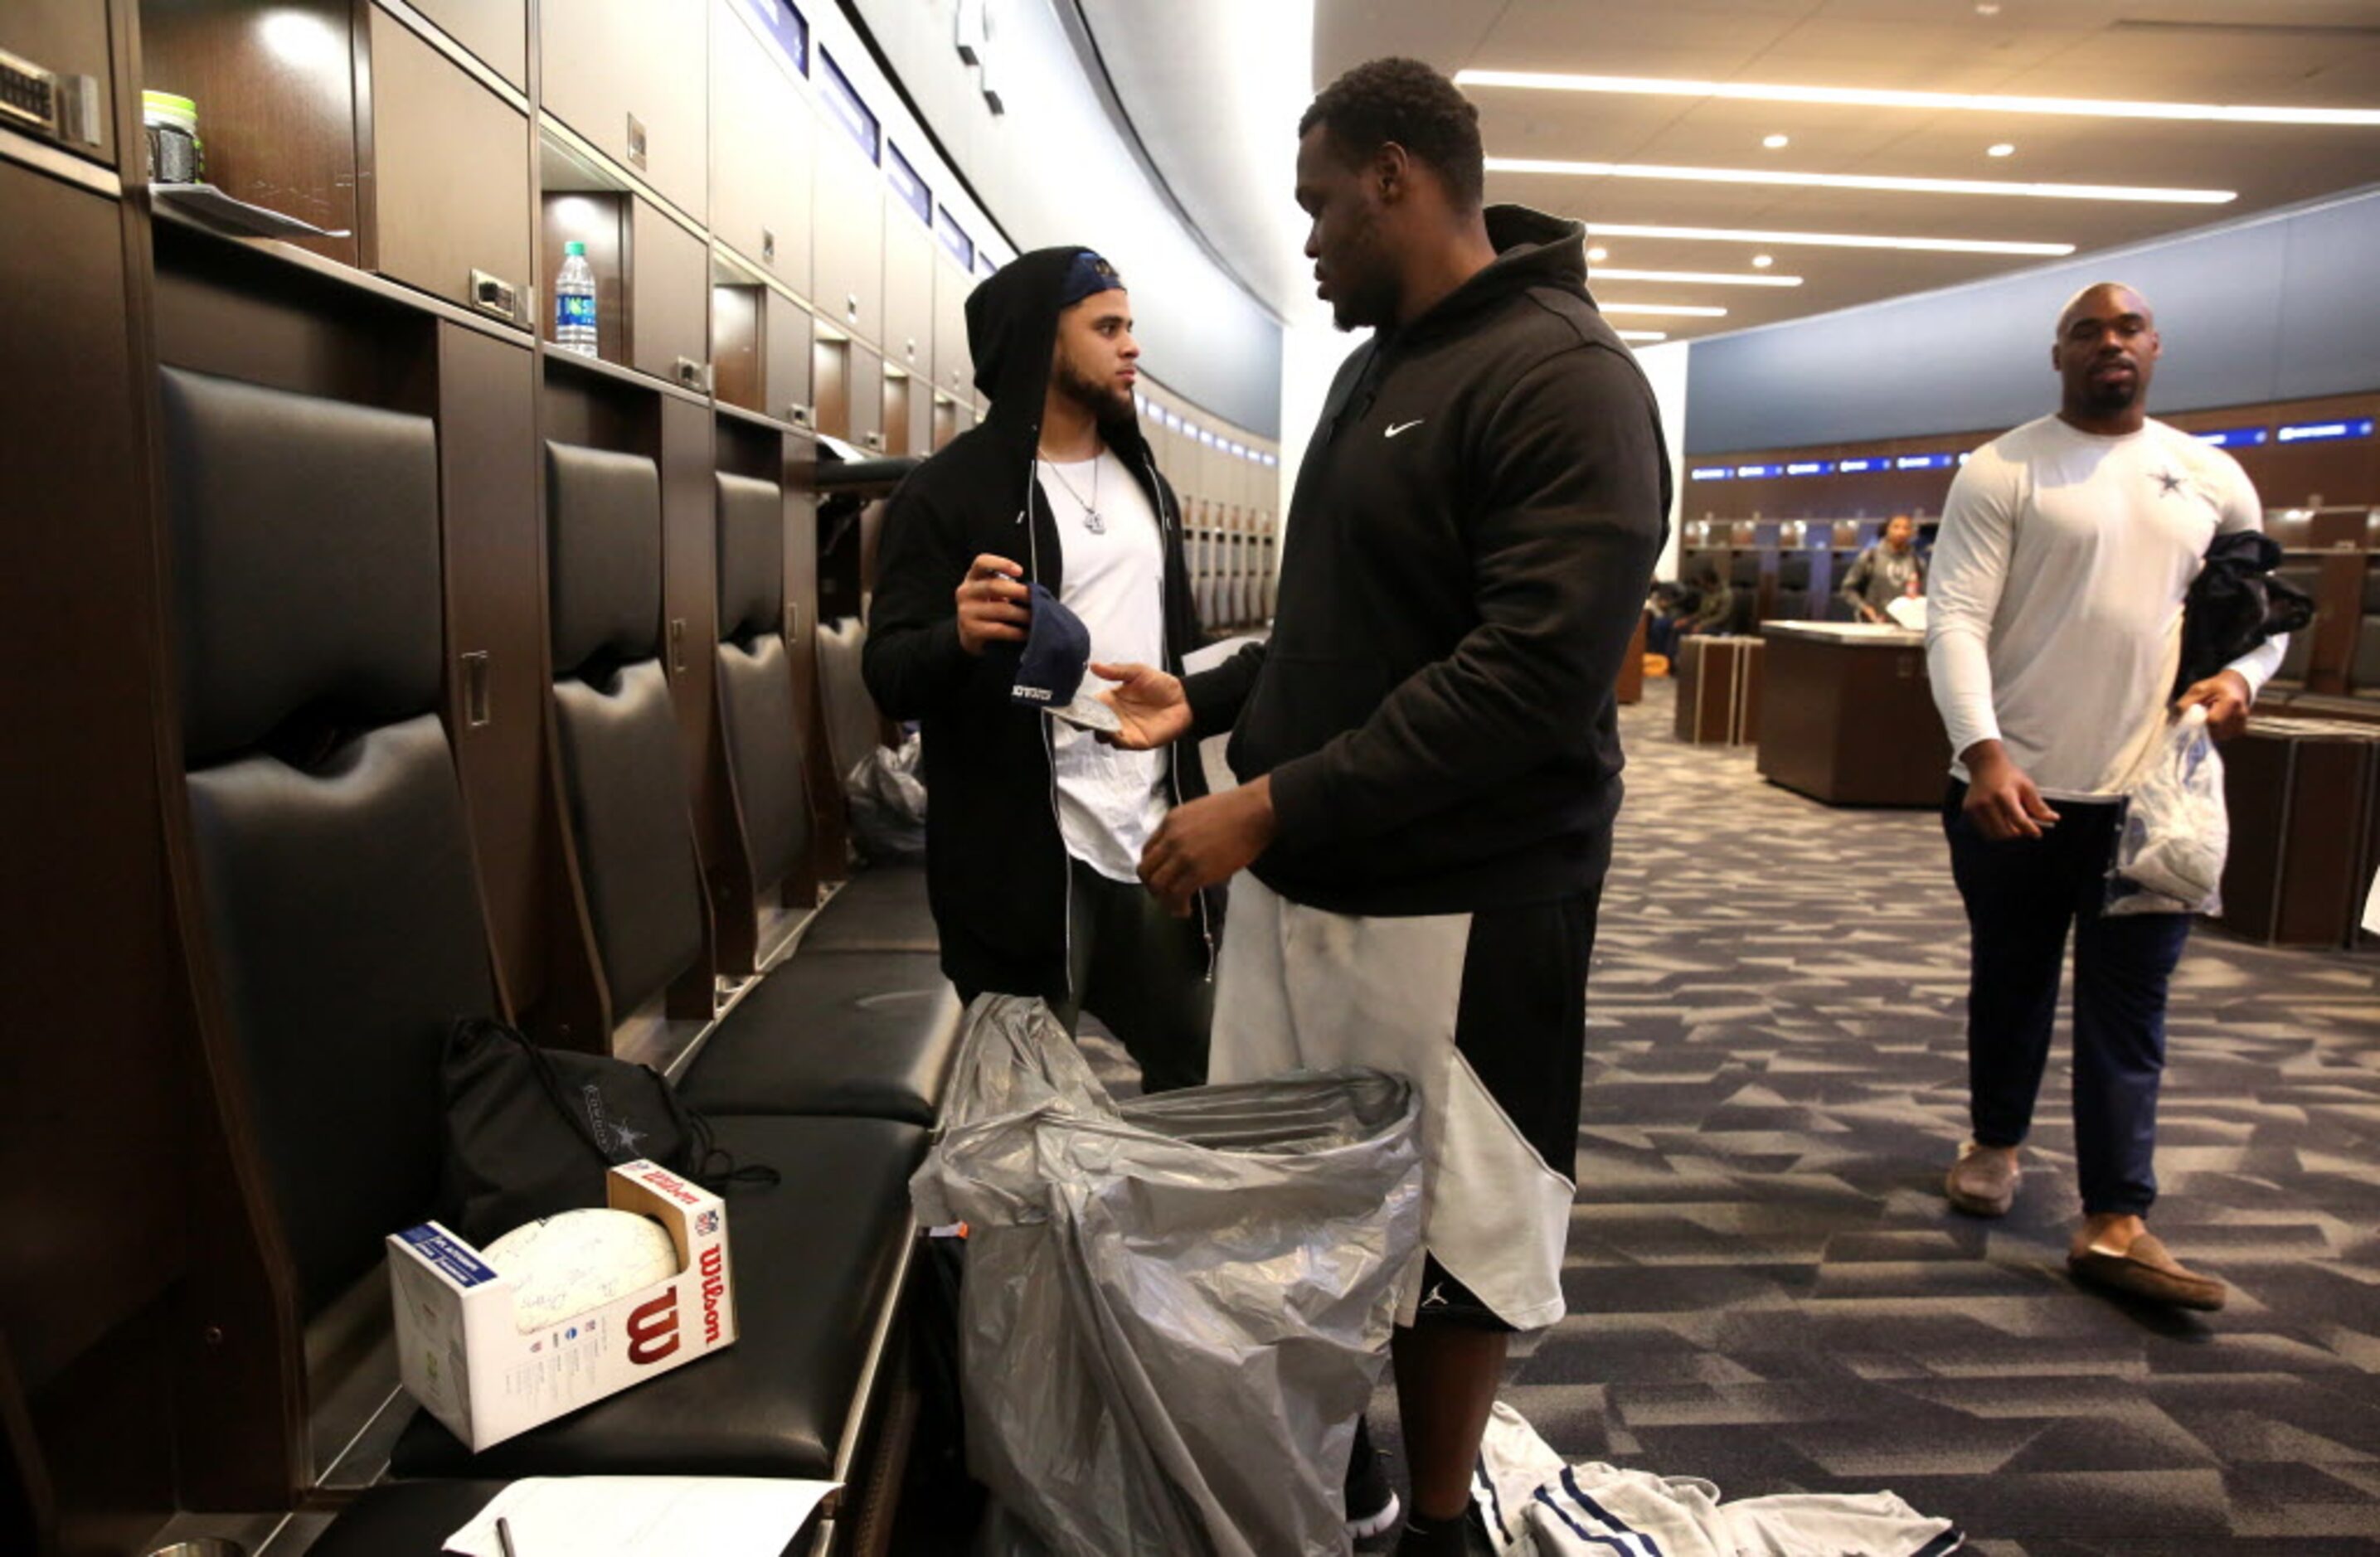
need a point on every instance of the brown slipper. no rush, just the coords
(2148, 1271)
(1982, 1182)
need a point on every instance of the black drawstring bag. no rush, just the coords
(532, 1131)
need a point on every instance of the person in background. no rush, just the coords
(1672, 609)
(1428, 747)
(1891, 570)
(2053, 640)
(1035, 827)
(1714, 603)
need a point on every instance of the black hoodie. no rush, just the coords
(996, 866)
(1469, 545)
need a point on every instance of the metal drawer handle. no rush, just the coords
(493, 295)
(476, 715)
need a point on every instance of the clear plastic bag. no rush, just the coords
(1172, 1311)
(887, 795)
(2175, 832)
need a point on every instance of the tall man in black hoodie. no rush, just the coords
(1034, 829)
(1427, 746)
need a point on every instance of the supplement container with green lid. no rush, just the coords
(175, 153)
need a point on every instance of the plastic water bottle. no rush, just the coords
(574, 302)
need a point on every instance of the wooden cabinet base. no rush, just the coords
(1849, 719)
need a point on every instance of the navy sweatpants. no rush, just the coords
(2022, 897)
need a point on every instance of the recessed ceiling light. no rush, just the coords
(1699, 278)
(1878, 97)
(1987, 8)
(2003, 149)
(1762, 261)
(1598, 254)
(1698, 310)
(1643, 334)
(2127, 192)
(1777, 142)
(1828, 240)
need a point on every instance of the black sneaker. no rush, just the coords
(1465, 1537)
(1372, 1505)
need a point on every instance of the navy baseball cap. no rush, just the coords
(1087, 276)
(1057, 649)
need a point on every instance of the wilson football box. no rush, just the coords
(492, 1353)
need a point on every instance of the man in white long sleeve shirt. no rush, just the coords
(2053, 639)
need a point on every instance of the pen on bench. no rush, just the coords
(505, 1537)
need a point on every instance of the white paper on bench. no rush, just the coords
(643, 1516)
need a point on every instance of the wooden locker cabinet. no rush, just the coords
(763, 148)
(447, 181)
(848, 235)
(908, 291)
(68, 39)
(953, 364)
(786, 352)
(669, 298)
(631, 76)
(865, 372)
(496, 31)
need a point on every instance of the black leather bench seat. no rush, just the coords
(404, 1519)
(814, 1257)
(870, 1035)
(881, 909)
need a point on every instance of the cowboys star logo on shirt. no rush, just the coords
(2169, 483)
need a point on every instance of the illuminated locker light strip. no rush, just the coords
(2325, 432)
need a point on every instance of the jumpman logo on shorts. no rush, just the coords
(1437, 1296)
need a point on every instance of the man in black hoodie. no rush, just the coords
(1427, 746)
(1034, 829)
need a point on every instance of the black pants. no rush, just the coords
(1143, 973)
(2021, 895)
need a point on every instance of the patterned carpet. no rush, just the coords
(1767, 1288)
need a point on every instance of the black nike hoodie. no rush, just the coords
(996, 866)
(1472, 531)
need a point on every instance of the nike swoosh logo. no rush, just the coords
(1396, 427)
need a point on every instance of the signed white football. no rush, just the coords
(581, 1260)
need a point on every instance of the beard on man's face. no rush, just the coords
(1100, 399)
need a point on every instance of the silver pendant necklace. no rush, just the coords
(1091, 520)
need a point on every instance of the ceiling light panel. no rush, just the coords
(1871, 97)
(1643, 334)
(2124, 192)
(1828, 240)
(1697, 278)
(1694, 310)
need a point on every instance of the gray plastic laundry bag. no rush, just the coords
(1173, 1310)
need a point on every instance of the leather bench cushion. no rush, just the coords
(764, 756)
(344, 923)
(634, 828)
(404, 1519)
(867, 1033)
(814, 1257)
(603, 556)
(881, 908)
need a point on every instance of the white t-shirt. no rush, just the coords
(2055, 618)
(1110, 801)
